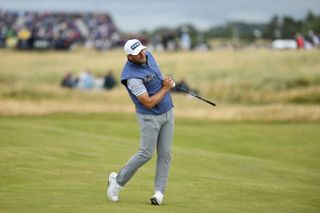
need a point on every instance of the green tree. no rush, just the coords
(312, 22)
(289, 27)
(273, 28)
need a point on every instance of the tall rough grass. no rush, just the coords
(252, 78)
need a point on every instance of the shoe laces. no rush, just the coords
(116, 188)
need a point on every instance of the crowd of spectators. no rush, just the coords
(178, 39)
(87, 81)
(65, 30)
(57, 30)
(300, 42)
(312, 40)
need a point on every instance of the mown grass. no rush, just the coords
(59, 162)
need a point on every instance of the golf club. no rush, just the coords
(150, 77)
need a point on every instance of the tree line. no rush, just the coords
(285, 27)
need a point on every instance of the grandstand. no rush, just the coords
(57, 30)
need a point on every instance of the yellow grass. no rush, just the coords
(222, 112)
(247, 85)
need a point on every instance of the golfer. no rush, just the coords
(154, 111)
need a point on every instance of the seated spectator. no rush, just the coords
(109, 81)
(184, 85)
(69, 80)
(86, 80)
(99, 82)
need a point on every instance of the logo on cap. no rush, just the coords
(135, 45)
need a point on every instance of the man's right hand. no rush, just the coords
(151, 101)
(168, 83)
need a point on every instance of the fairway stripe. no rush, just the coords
(57, 129)
(212, 155)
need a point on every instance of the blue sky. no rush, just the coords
(133, 16)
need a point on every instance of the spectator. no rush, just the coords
(185, 40)
(313, 38)
(69, 80)
(86, 80)
(99, 82)
(109, 81)
(300, 41)
(184, 85)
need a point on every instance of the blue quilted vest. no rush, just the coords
(132, 70)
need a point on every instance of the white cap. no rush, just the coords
(133, 47)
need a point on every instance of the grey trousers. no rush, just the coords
(156, 132)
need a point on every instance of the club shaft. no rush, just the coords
(195, 95)
(191, 93)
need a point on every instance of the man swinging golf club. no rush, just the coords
(154, 111)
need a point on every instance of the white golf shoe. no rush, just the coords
(113, 187)
(157, 198)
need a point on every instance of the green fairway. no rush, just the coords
(59, 163)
